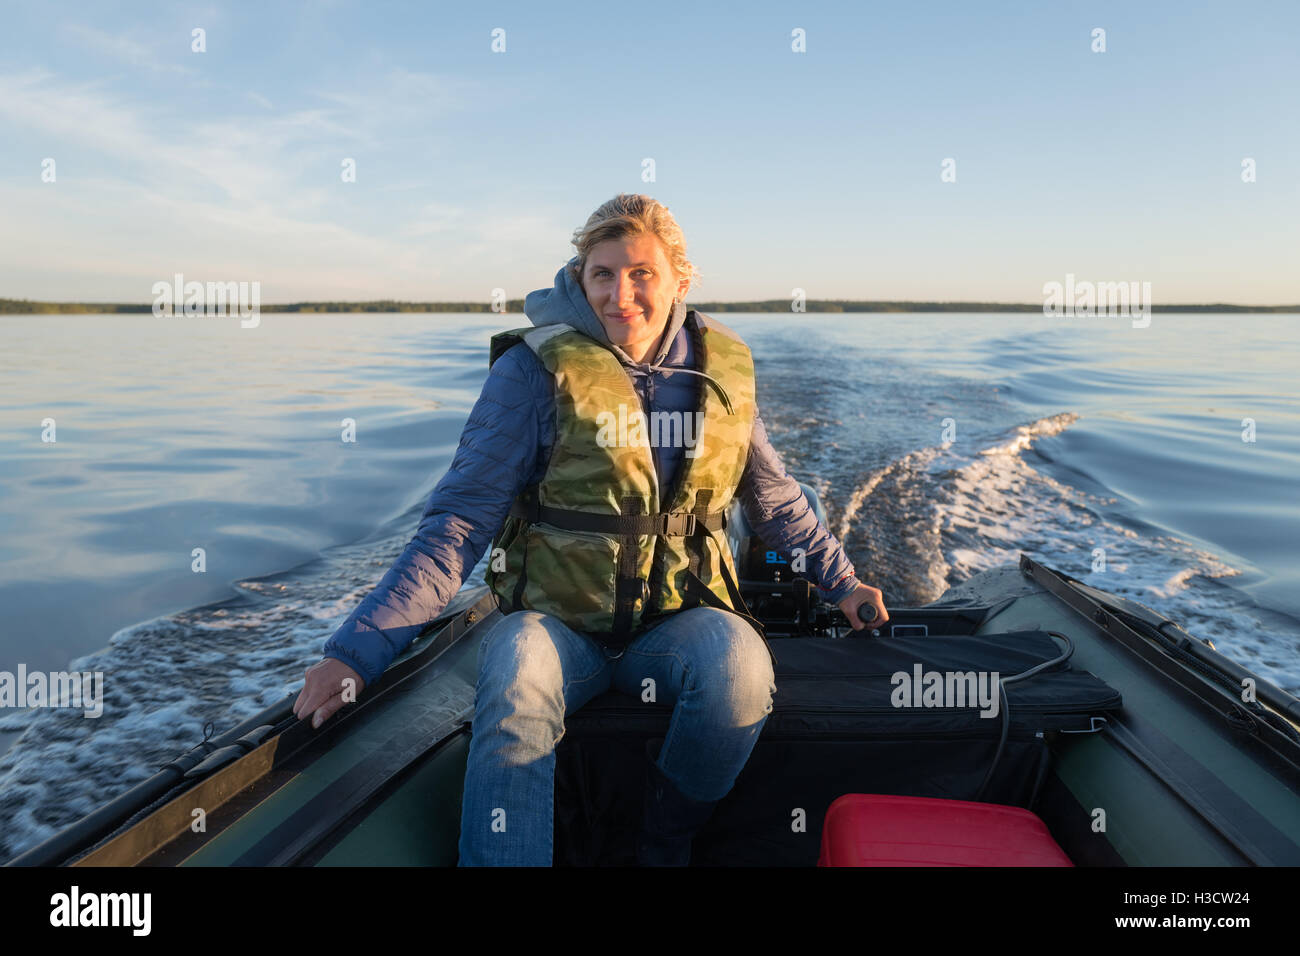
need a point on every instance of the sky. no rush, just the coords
(820, 170)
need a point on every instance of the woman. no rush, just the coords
(608, 559)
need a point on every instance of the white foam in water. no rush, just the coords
(164, 680)
(996, 505)
(928, 520)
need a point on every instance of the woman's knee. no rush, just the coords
(521, 660)
(730, 661)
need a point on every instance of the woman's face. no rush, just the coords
(631, 288)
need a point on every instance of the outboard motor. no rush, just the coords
(779, 596)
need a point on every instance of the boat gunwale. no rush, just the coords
(112, 821)
(476, 606)
(1278, 751)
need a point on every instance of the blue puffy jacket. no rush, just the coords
(506, 445)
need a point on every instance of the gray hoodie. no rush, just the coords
(506, 445)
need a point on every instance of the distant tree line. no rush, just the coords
(845, 305)
(26, 307)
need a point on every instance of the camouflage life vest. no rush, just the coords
(592, 544)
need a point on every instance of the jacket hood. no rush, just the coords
(566, 303)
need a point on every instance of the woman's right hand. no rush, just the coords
(330, 684)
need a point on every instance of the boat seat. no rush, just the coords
(864, 829)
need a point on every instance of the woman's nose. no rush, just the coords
(624, 291)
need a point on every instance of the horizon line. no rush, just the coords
(82, 307)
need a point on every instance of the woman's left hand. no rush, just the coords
(871, 601)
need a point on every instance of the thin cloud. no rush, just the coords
(246, 159)
(126, 49)
(248, 192)
(404, 101)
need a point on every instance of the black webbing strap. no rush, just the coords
(695, 547)
(628, 586)
(518, 595)
(677, 523)
(516, 598)
(697, 591)
(738, 602)
(630, 525)
(697, 587)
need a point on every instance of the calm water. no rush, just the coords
(1065, 436)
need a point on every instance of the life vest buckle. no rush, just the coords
(681, 523)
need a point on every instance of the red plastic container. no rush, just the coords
(877, 830)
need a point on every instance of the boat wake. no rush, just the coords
(936, 516)
(915, 522)
(165, 679)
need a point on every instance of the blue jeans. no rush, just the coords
(533, 669)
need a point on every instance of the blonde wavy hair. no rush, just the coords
(630, 215)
